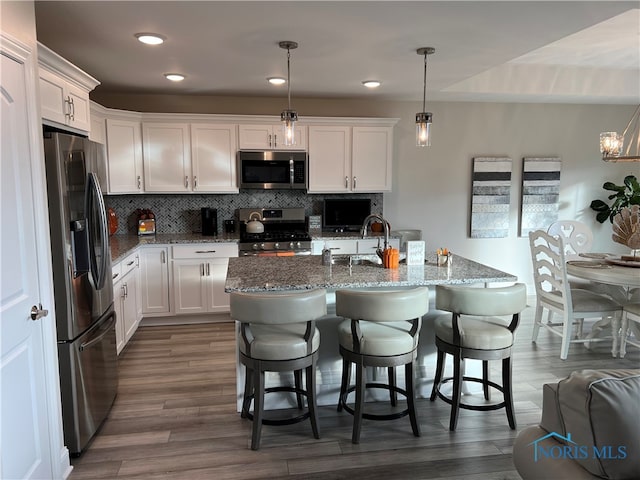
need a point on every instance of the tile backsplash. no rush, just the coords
(180, 213)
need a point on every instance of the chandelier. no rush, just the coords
(612, 143)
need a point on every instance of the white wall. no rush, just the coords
(431, 186)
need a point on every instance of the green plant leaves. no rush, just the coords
(624, 196)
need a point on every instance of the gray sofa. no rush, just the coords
(590, 428)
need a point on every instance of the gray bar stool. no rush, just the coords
(478, 334)
(382, 330)
(278, 334)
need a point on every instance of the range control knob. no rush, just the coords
(255, 246)
(298, 245)
(263, 246)
(292, 245)
(276, 245)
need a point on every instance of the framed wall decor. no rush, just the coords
(491, 197)
(540, 193)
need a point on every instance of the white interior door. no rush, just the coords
(25, 442)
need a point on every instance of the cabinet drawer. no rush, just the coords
(205, 250)
(129, 263)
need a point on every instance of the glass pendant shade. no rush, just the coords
(611, 144)
(289, 119)
(423, 129)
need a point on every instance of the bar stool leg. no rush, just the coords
(457, 390)
(298, 383)
(311, 398)
(506, 390)
(393, 396)
(344, 385)
(248, 391)
(258, 408)
(485, 379)
(408, 374)
(359, 407)
(438, 377)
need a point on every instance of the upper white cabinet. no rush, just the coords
(124, 153)
(64, 92)
(270, 137)
(329, 159)
(213, 158)
(166, 156)
(350, 159)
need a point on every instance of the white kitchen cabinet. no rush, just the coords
(124, 154)
(270, 137)
(351, 246)
(329, 159)
(64, 92)
(98, 132)
(154, 280)
(199, 275)
(346, 159)
(213, 158)
(126, 290)
(166, 157)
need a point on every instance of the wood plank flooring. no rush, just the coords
(175, 418)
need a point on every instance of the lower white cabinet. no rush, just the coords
(351, 246)
(199, 274)
(154, 280)
(126, 292)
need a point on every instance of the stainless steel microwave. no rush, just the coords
(268, 169)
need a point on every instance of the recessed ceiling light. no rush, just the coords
(150, 38)
(371, 83)
(276, 80)
(174, 77)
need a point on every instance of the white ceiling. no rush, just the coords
(548, 51)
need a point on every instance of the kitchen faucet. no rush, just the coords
(387, 231)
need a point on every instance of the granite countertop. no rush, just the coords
(122, 245)
(258, 274)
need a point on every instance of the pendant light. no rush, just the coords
(289, 117)
(423, 118)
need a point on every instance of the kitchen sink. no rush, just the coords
(356, 259)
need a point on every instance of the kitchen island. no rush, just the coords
(265, 274)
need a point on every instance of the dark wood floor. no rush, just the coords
(175, 418)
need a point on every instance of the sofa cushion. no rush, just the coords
(600, 409)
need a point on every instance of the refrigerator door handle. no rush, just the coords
(93, 189)
(97, 339)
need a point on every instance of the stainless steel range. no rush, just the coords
(285, 232)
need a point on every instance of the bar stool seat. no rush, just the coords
(278, 334)
(381, 330)
(475, 330)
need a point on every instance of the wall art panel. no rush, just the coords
(491, 197)
(540, 193)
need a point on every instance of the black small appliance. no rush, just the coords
(209, 221)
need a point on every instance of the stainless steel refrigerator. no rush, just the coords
(83, 286)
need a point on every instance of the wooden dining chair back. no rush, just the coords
(576, 236)
(555, 296)
(630, 330)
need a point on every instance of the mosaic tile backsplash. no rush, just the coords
(180, 213)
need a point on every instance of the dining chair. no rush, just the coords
(630, 313)
(278, 334)
(476, 330)
(555, 295)
(381, 329)
(576, 236)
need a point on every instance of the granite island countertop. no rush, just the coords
(259, 274)
(122, 245)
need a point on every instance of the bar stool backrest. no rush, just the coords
(383, 305)
(482, 301)
(277, 308)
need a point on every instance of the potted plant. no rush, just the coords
(623, 196)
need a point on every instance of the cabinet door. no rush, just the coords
(329, 159)
(255, 137)
(217, 276)
(124, 156)
(213, 158)
(371, 159)
(129, 306)
(79, 115)
(52, 97)
(166, 157)
(154, 279)
(118, 305)
(190, 286)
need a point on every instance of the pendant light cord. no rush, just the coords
(424, 84)
(289, 77)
